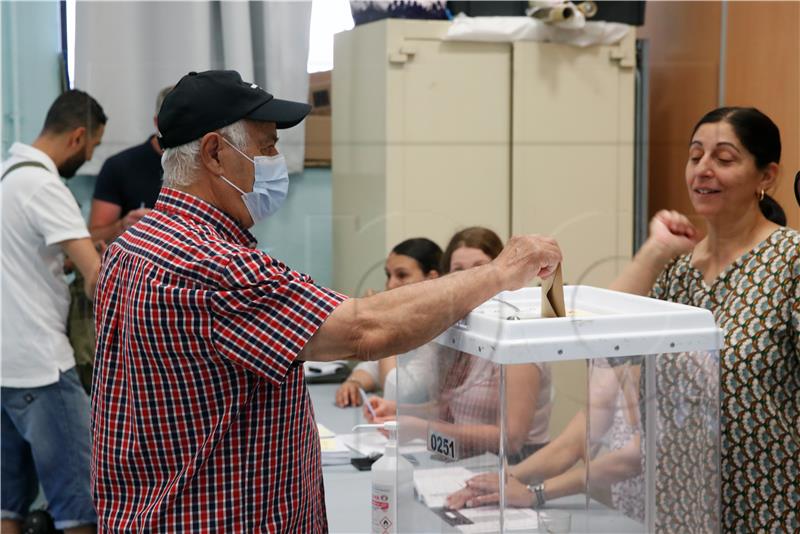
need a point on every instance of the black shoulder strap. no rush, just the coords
(23, 164)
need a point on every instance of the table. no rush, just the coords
(348, 491)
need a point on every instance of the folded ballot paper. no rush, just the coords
(553, 296)
(334, 451)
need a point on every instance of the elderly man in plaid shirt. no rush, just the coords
(201, 418)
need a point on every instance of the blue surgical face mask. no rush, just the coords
(270, 187)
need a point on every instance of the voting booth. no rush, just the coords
(635, 448)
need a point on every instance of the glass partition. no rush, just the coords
(502, 437)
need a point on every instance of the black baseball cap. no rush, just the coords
(202, 102)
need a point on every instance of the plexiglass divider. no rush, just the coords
(634, 449)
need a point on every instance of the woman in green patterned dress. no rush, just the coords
(746, 271)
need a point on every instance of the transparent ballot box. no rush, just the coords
(606, 420)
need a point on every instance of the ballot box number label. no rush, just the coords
(442, 444)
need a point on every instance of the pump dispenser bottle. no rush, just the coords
(392, 484)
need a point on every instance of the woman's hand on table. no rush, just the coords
(348, 394)
(484, 489)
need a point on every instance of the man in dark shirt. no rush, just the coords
(127, 187)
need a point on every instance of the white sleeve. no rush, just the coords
(416, 373)
(55, 214)
(371, 368)
(390, 386)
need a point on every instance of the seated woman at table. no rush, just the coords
(413, 260)
(466, 403)
(555, 470)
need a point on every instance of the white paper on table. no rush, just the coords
(374, 443)
(434, 485)
(325, 432)
(366, 443)
(487, 518)
(333, 449)
(415, 446)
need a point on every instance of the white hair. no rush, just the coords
(180, 163)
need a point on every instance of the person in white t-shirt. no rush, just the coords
(411, 261)
(45, 411)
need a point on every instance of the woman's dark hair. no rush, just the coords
(473, 237)
(426, 253)
(772, 210)
(757, 133)
(759, 136)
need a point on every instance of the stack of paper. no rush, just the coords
(487, 519)
(434, 485)
(334, 451)
(365, 443)
(374, 443)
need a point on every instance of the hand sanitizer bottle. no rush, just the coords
(392, 485)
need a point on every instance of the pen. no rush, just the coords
(366, 402)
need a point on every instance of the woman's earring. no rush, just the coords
(761, 197)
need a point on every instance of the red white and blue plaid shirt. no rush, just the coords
(200, 415)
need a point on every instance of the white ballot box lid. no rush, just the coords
(600, 323)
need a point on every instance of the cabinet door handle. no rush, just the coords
(398, 58)
(618, 54)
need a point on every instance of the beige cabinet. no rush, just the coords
(572, 153)
(431, 136)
